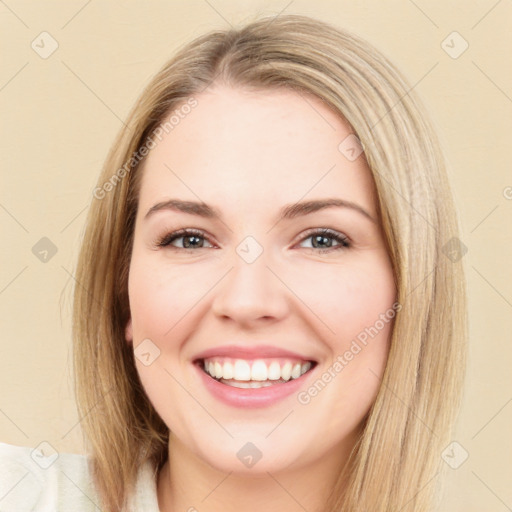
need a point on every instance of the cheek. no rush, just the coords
(358, 307)
(162, 295)
(357, 304)
(363, 325)
(351, 298)
(159, 302)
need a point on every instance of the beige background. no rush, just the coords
(60, 114)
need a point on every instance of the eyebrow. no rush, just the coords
(290, 211)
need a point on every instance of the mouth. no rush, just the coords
(254, 373)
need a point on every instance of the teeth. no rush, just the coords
(296, 371)
(274, 371)
(251, 384)
(227, 370)
(242, 370)
(286, 371)
(259, 371)
(218, 370)
(256, 373)
(305, 368)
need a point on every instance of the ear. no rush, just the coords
(128, 332)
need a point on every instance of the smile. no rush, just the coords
(257, 373)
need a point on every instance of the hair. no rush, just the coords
(399, 451)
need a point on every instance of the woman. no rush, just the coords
(264, 314)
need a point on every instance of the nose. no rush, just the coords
(251, 293)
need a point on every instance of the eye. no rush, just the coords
(321, 240)
(192, 238)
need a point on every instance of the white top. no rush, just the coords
(43, 480)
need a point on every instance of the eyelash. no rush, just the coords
(343, 241)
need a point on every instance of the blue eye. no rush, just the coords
(322, 236)
(194, 239)
(191, 239)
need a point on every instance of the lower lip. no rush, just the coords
(251, 397)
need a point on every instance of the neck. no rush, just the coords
(188, 483)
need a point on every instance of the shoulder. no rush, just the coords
(43, 480)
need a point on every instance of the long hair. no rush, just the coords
(397, 459)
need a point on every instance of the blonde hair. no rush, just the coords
(410, 422)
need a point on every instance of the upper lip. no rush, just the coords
(250, 352)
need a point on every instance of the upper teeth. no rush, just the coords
(259, 370)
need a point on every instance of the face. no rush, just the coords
(289, 308)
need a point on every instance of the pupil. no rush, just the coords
(186, 241)
(320, 238)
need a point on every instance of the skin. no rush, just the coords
(249, 153)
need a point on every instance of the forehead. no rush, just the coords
(249, 148)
